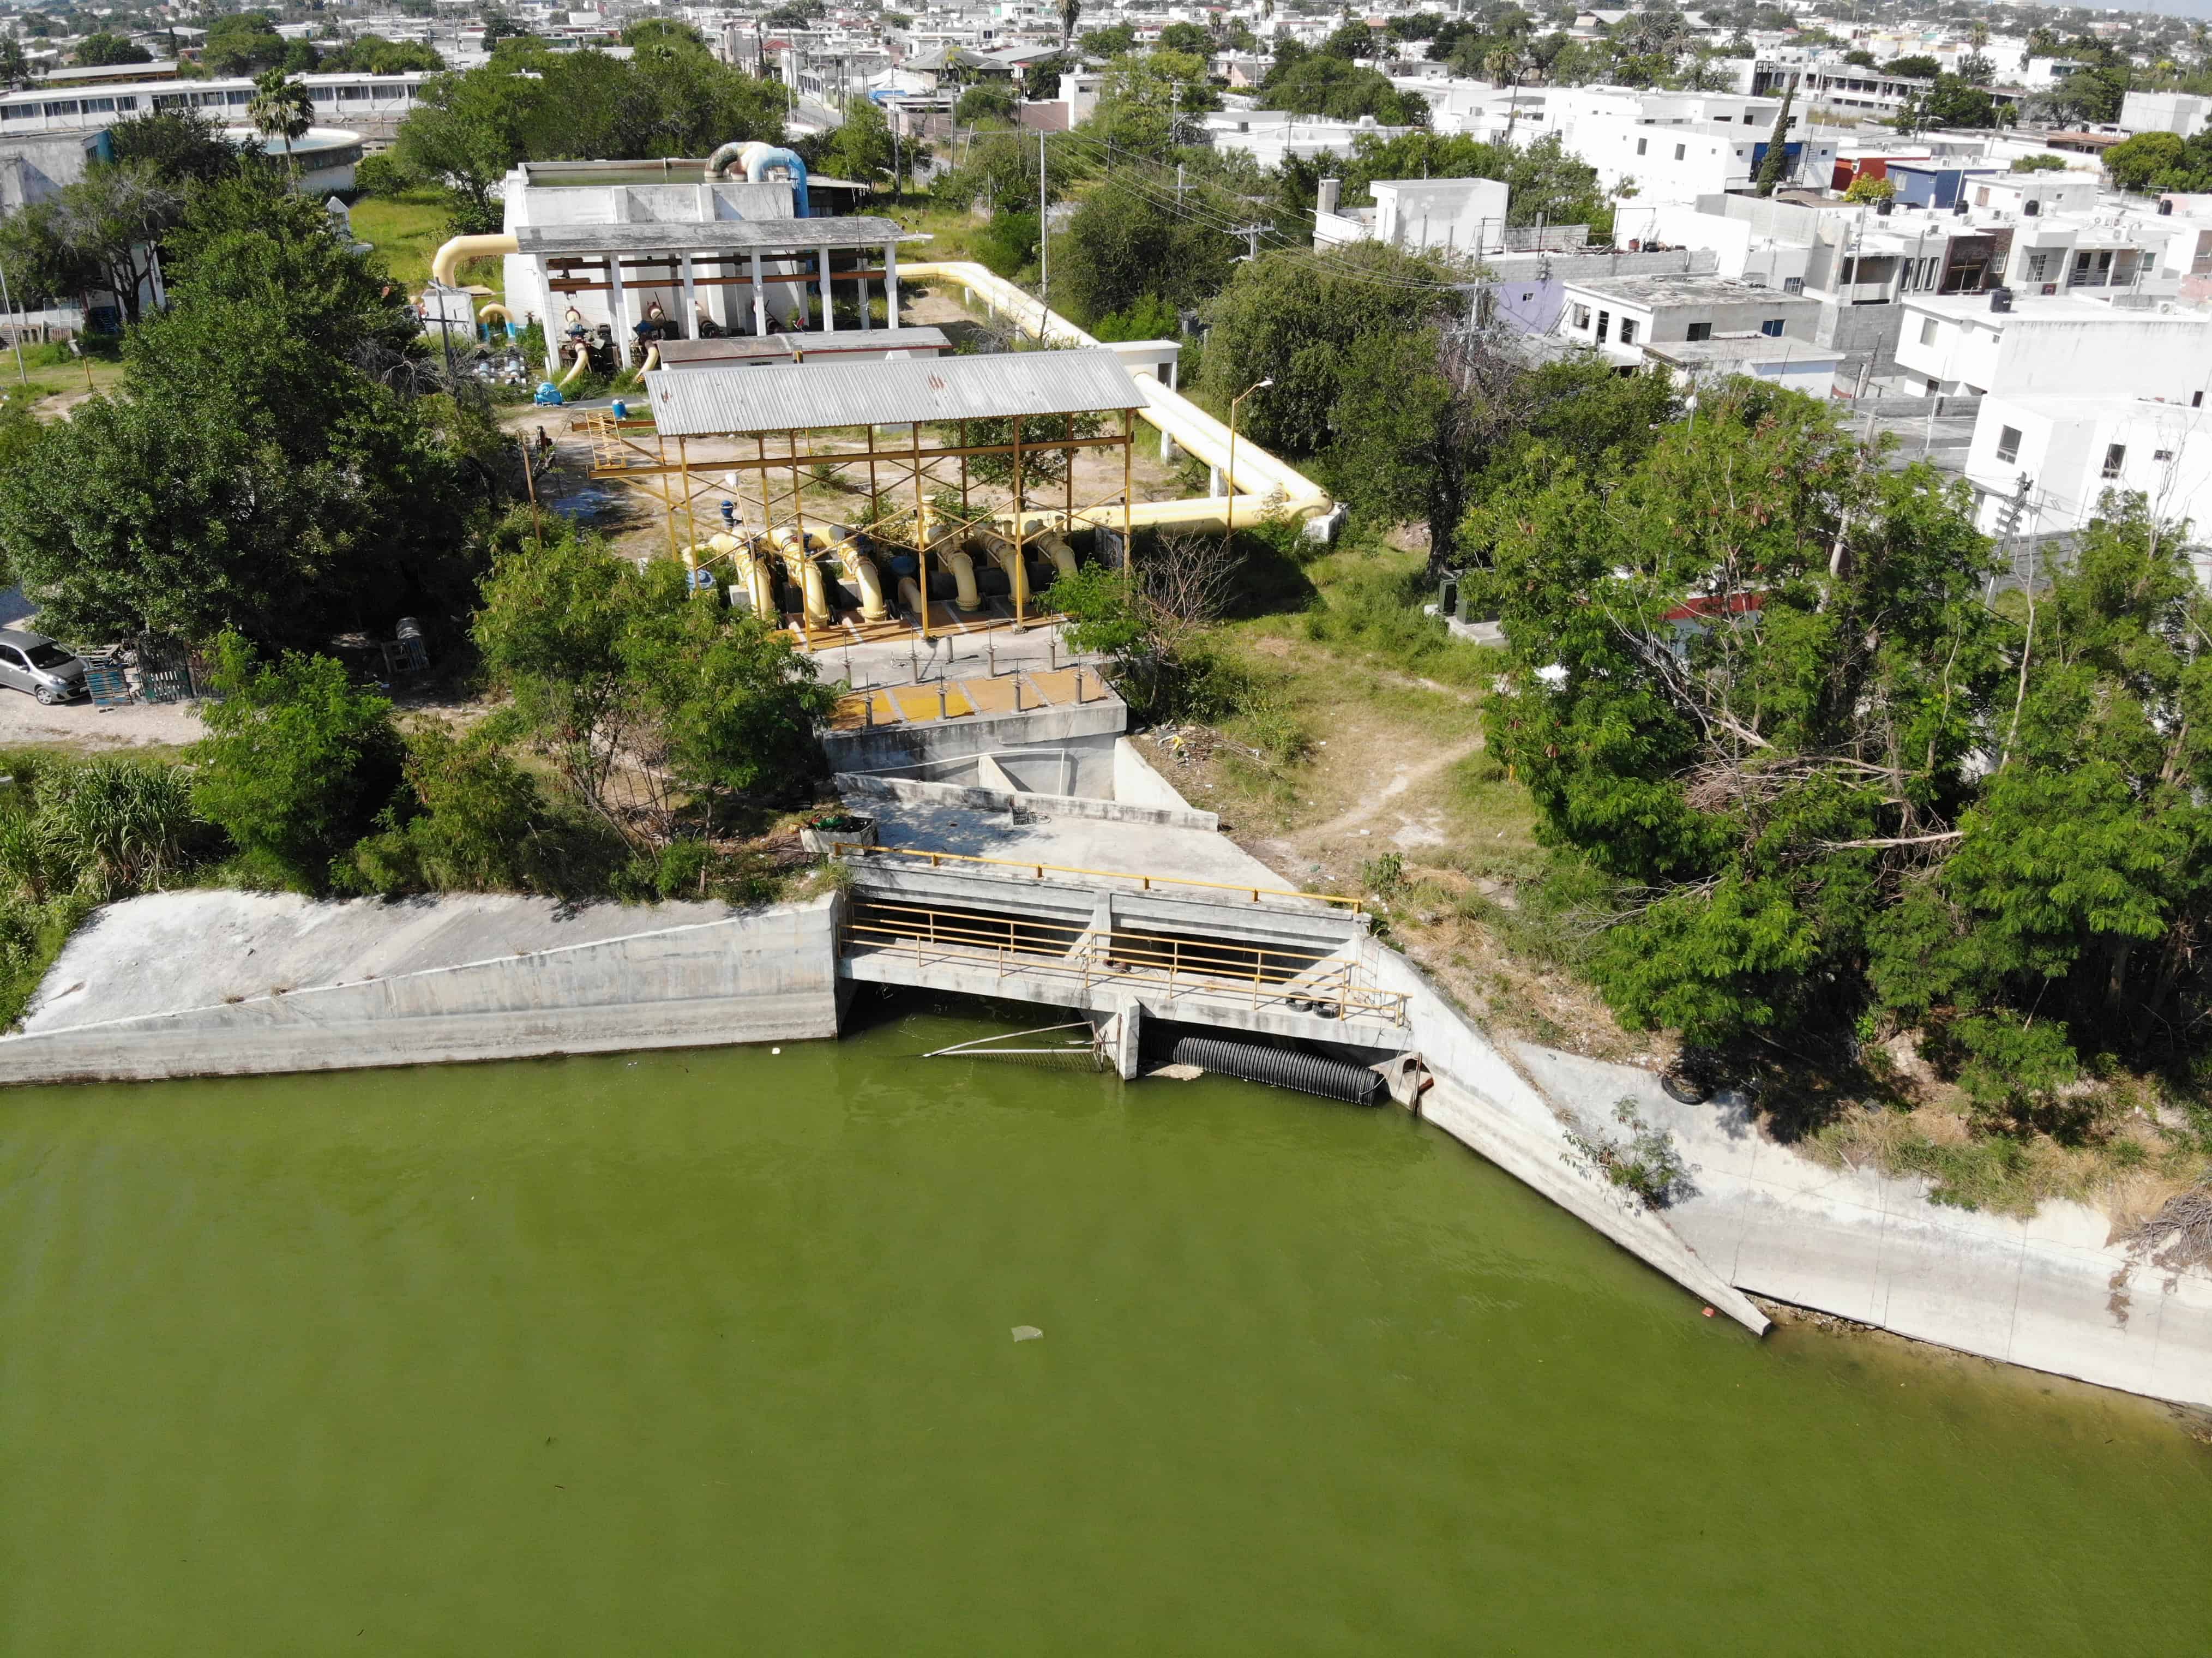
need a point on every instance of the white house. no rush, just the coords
(2057, 346)
(2185, 113)
(1618, 317)
(2070, 450)
(1455, 215)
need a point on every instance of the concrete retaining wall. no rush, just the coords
(1087, 730)
(1482, 1099)
(765, 975)
(1137, 784)
(1873, 1248)
(855, 786)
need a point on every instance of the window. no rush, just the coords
(17, 112)
(126, 103)
(2008, 443)
(1604, 322)
(1982, 197)
(11, 657)
(1771, 328)
(2195, 400)
(1680, 150)
(1642, 145)
(53, 110)
(1699, 330)
(99, 106)
(2162, 454)
(2116, 455)
(1628, 330)
(1582, 318)
(1793, 284)
(1928, 332)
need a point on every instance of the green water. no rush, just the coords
(713, 1353)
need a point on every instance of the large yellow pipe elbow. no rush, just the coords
(448, 258)
(909, 596)
(964, 580)
(1062, 555)
(652, 359)
(861, 570)
(816, 593)
(583, 357)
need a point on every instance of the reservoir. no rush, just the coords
(716, 1351)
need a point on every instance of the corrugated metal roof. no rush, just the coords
(702, 402)
(709, 235)
(788, 347)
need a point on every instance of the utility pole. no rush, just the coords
(1044, 242)
(15, 333)
(1251, 234)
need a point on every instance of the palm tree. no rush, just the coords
(1069, 11)
(280, 108)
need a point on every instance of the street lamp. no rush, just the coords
(1229, 508)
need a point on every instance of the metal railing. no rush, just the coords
(1301, 981)
(842, 848)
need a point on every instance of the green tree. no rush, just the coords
(372, 54)
(243, 43)
(1916, 67)
(986, 100)
(661, 31)
(1775, 163)
(2161, 160)
(1125, 243)
(1292, 320)
(1186, 38)
(608, 665)
(1321, 84)
(297, 762)
(95, 235)
(1868, 188)
(1951, 102)
(1110, 42)
(1145, 102)
(98, 51)
(2040, 163)
(14, 66)
(280, 108)
(179, 147)
(861, 150)
(1758, 782)
(263, 467)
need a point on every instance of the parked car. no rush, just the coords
(31, 662)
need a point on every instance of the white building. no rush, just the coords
(1453, 216)
(2183, 113)
(1618, 317)
(1270, 137)
(2071, 451)
(1678, 161)
(2060, 346)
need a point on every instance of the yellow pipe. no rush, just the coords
(583, 357)
(817, 592)
(1062, 555)
(448, 258)
(862, 571)
(749, 569)
(964, 580)
(910, 595)
(505, 315)
(1007, 557)
(652, 360)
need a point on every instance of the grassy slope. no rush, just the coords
(408, 230)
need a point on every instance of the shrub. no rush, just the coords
(120, 825)
(296, 764)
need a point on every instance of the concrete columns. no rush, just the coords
(829, 303)
(553, 323)
(890, 282)
(617, 308)
(691, 298)
(760, 302)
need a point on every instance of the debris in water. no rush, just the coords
(1028, 1333)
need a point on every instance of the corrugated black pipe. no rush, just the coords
(1281, 1067)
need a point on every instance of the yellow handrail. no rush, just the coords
(839, 847)
(934, 937)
